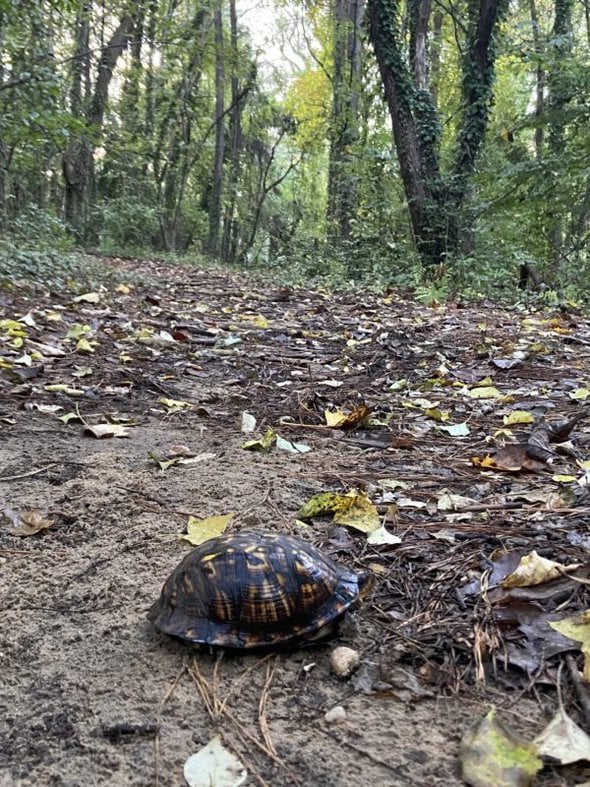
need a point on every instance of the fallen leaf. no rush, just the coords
(563, 740)
(451, 502)
(534, 569)
(214, 766)
(31, 522)
(101, 431)
(454, 430)
(320, 505)
(200, 530)
(174, 405)
(76, 331)
(263, 444)
(382, 536)
(518, 417)
(88, 297)
(577, 628)
(361, 514)
(293, 448)
(248, 422)
(336, 419)
(84, 346)
(487, 392)
(491, 755)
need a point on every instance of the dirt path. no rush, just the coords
(91, 694)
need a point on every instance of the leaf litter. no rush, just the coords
(483, 453)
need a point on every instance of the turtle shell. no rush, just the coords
(253, 590)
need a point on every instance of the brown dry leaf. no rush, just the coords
(493, 756)
(31, 522)
(534, 569)
(102, 431)
(88, 297)
(512, 459)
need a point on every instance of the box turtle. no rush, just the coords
(252, 590)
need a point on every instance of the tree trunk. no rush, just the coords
(345, 119)
(560, 94)
(212, 247)
(539, 82)
(228, 245)
(78, 160)
(75, 166)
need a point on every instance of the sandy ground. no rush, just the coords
(91, 694)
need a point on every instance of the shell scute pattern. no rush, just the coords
(253, 590)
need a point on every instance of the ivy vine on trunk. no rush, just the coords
(435, 198)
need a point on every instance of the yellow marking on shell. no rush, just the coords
(213, 555)
(188, 585)
(222, 606)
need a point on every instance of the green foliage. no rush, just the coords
(52, 269)
(39, 229)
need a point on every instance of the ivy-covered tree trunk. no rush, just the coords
(344, 132)
(435, 199)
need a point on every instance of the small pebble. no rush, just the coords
(336, 715)
(344, 661)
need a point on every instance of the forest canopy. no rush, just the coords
(383, 141)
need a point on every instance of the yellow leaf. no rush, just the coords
(489, 392)
(563, 479)
(487, 461)
(577, 628)
(174, 405)
(263, 444)
(84, 346)
(77, 330)
(518, 417)
(534, 569)
(338, 418)
(260, 321)
(361, 514)
(320, 505)
(437, 415)
(335, 418)
(123, 289)
(12, 328)
(200, 530)
(579, 393)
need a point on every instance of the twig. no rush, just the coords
(28, 474)
(157, 736)
(216, 709)
(262, 721)
(581, 689)
(364, 752)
